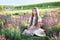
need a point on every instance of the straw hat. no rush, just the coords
(40, 32)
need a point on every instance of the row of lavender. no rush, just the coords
(14, 21)
(50, 19)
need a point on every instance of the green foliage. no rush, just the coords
(28, 37)
(43, 5)
(11, 34)
(55, 29)
(16, 14)
(2, 8)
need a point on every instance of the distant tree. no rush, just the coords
(2, 8)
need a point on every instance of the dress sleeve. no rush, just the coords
(39, 19)
(29, 20)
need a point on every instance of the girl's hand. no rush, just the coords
(30, 28)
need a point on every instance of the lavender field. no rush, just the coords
(13, 22)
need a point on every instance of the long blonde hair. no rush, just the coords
(37, 14)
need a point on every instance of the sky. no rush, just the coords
(24, 2)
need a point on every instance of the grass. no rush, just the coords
(28, 37)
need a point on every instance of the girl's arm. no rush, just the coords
(28, 26)
(39, 24)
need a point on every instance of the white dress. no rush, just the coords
(38, 32)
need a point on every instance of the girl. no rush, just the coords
(34, 24)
